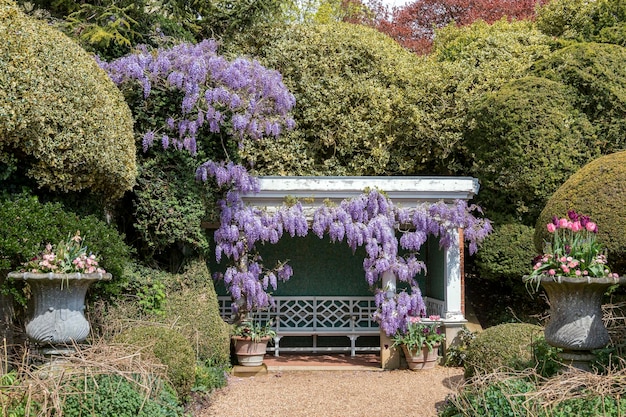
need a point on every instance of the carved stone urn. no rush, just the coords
(56, 307)
(575, 323)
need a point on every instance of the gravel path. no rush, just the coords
(400, 393)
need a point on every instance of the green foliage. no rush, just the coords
(596, 73)
(254, 330)
(506, 253)
(466, 63)
(171, 348)
(456, 352)
(61, 116)
(354, 89)
(582, 20)
(518, 395)
(526, 141)
(170, 206)
(505, 345)
(192, 305)
(498, 399)
(16, 405)
(29, 225)
(116, 395)
(597, 190)
(209, 377)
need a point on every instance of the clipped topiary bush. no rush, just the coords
(186, 302)
(595, 72)
(505, 345)
(171, 348)
(527, 140)
(506, 253)
(61, 117)
(597, 190)
(195, 311)
(354, 89)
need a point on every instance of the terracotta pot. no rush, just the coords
(421, 359)
(250, 353)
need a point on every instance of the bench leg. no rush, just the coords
(314, 343)
(353, 344)
(277, 345)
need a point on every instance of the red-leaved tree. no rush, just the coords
(414, 24)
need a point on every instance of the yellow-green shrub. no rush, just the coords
(171, 348)
(60, 114)
(505, 345)
(597, 190)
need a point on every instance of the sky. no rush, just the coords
(393, 3)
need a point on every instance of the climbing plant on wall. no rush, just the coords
(370, 220)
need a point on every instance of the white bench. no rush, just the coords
(323, 316)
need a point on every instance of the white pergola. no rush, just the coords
(404, 192)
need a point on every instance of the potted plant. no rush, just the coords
(250, 338)
(573, 271)
(420, 341)
(58, 280)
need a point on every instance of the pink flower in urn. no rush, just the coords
(434, 317)
(551, 272)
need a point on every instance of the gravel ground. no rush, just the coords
(401, 393)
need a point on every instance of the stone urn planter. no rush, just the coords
(250, 352)
(56, 307)
(422, 359)
(575, 323)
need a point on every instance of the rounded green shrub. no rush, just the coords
(116, 395)
(506, 253)
(354, 90)
(505, 345)
(171, 348)
(596, 74)
(527, 140)
(597, 190)
(61, 116)
(195, 310)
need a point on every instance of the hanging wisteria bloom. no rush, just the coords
(242, 98)
(369, 220)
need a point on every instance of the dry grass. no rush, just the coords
(41, 385)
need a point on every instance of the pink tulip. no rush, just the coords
(551, 272)
(563, 223)
(576, 227)
(551, 227)
(592, 227)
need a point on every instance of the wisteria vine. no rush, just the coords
(370, 220)
(241, 98)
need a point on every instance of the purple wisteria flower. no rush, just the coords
(241, 98)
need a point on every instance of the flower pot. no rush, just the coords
(56, 306)
(421, 359)
(575, 323)
(250, 353)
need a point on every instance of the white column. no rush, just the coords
(452, 274)
(389, 357)
(389, 283)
